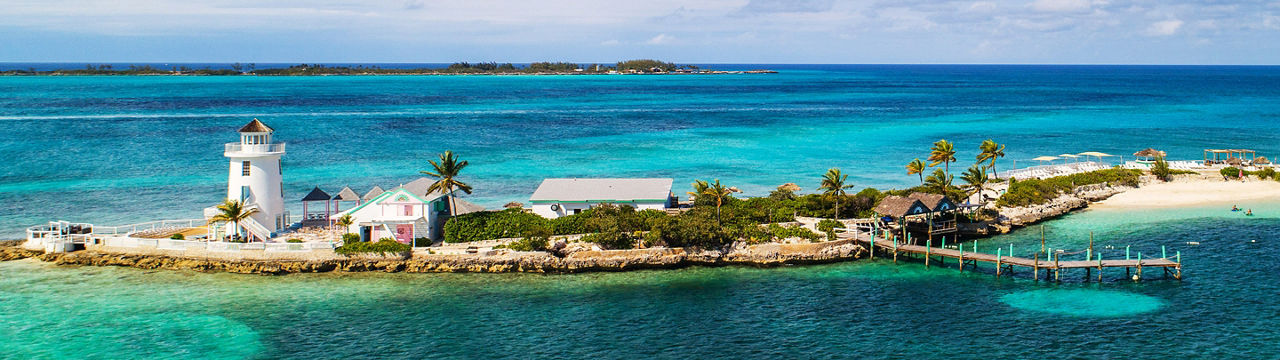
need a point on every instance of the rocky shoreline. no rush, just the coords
(1013, 218)
(763, 255)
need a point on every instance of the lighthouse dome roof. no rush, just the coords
(256, 126)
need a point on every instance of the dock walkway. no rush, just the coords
(1049, 262)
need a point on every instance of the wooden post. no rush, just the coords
(942, 260)
(1179, 274)
(1010, 249)
(1088, 253)
(927, 244)
(895, 249)
(998, 262)
(1139, 278)
(873, 245)
(961, 258)
(1099, 266)
(1057, 271)
(1035, 268)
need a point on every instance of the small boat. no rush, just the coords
(1193, 243)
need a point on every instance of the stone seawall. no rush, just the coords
(502, 262)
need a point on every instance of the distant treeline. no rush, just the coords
(643, 66)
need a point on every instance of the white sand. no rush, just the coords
(1193, 192)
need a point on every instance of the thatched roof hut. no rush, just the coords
(899, 206)
(1261, 160)
(789, 187)
(1150, 153)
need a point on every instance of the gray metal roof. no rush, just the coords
(602, 189)
(419, 187)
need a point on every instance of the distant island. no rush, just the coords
(642, 66)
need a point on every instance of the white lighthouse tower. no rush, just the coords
(255, 179)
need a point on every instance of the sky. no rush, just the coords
(707, 31)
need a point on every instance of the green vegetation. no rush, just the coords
(1161, 169)
(916, 167)
(989, 152)
(383, 246)
(644, 66)
(421, 242)
(832, 186)
(446, 174)
(1230, 172)
(350, 238)
(827, 225)
(234, 212)
(942, 152)
(178, 236)
(294, 241)
(1039, 191)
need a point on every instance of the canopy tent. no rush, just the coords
(1100, 155)
(1046, 158)
(1068, 156)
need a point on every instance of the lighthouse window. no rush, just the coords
(244, 168)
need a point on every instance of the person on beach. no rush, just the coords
(1234, 208)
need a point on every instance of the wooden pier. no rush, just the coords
(1048, 261)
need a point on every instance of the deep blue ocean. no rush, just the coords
(113, 150)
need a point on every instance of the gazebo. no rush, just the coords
(1245, 155)
(316, 218)
(1149, 155)
(346, 194)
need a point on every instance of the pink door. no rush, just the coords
(404, 233)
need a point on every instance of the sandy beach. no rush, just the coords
(1197, 191)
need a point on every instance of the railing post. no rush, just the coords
(998, 250)
(1126, 252)
(1163, 255)
(927, 244)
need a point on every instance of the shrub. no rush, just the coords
(1039, 191)
(1267, 173)
(779, 232)
(827, 225)
(1161, 169)
(491, 225)
(350, 238)
(383, 246)
(421, 242)
(692, 229)
(1230, 172)
(178, 236)
(294, 241)
(537, 239)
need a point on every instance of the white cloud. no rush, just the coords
(1062, 6)
(1164, 28)
(610, 42)
(660, 39)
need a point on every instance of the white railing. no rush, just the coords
(255, 228)
(150, 225)
(258, 148)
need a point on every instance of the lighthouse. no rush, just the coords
(255, 179)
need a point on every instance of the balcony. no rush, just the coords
(260, 149)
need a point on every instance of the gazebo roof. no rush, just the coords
(373, 193)
(256, 126)
(346, 195)
(898, 206)
(317, 195)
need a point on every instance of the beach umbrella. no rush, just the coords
(1150, 153)
(1042, 159)
(790, 187)
(1068, 156)
(1100, 155)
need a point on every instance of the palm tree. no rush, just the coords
(446, 172)
(975, 179)
(990, 151)
(916, 167)
(942, 152)
(833, 185)
(719, 193)
(939, 180)
(232, 211)
(344, 221)
(699, 187)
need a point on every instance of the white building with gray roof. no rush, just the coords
(562, 197)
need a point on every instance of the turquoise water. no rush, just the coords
(865, 309)
(112, 150)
